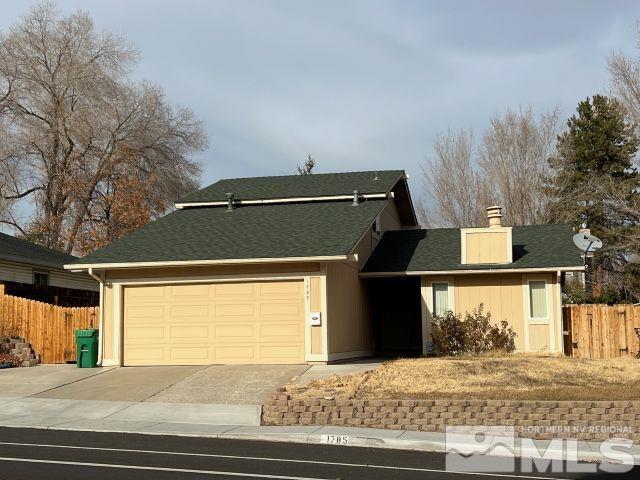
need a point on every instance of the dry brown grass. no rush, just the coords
(516, 377)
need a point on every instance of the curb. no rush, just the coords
(435, 445)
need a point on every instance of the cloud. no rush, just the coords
(360, 84)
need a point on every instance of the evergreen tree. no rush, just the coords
(596, 182)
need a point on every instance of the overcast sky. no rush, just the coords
(359, 84)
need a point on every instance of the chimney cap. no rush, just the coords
(494, 214)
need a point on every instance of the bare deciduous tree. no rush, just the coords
(457, 193)
(625, 81)
(509, 168)
(513, 157)
(308, 166)
(74, 122)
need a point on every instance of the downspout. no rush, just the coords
(101, 315)
(559, 313)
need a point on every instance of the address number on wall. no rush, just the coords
(335, 439)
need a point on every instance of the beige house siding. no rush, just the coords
(389, 217)
(389, 220)
(108, 332)
(315, 305)
(349, 317)
(212, 270)
(349, 320)
(505, 296)
(117, 281)
(23, 273)
(486, 245)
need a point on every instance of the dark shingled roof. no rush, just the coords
(289, 186)
(263, 231)
(535, 246)
(17, 250)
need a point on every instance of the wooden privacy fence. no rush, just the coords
(48, 328)
(601, 331)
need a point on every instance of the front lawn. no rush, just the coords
(512, 377)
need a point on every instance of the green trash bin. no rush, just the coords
(87, 348)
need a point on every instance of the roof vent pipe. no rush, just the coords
(356, 199)
(494, 214)
(375, 175)
(229, 202)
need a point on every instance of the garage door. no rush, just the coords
(198, 324)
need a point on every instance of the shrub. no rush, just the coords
(9, 361)
(472, 335)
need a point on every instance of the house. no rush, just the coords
(313, 268)
(515, 272)
(33, 271)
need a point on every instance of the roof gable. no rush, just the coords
(534, 246)
(298, 186)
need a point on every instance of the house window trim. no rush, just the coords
(551, 314)
(41, 272)
(450, 291)
(547, 317)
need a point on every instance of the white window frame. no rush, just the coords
(426, 289)
(449, 296)
(548, 304)
(429, 293)
(551, 315)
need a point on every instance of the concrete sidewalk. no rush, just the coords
(220, 421)
(18, 411)
(355, 437)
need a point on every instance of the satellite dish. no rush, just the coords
(587, 243)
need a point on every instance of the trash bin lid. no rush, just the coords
(88, 332)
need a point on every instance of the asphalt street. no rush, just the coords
(57, 454)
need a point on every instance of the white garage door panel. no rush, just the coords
(240, 322)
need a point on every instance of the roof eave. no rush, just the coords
(472, 271)
(195, 263)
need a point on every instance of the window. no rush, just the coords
(440, 298)
(538, 299)
(40, 278)
(376, 228)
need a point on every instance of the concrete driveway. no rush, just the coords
(319, 372)
(124, 384)
(24, 382)
(214, 384)
(236, 384)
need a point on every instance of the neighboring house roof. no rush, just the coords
(437, 250)
(293, 186)
(294, 230)
(17, 250)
